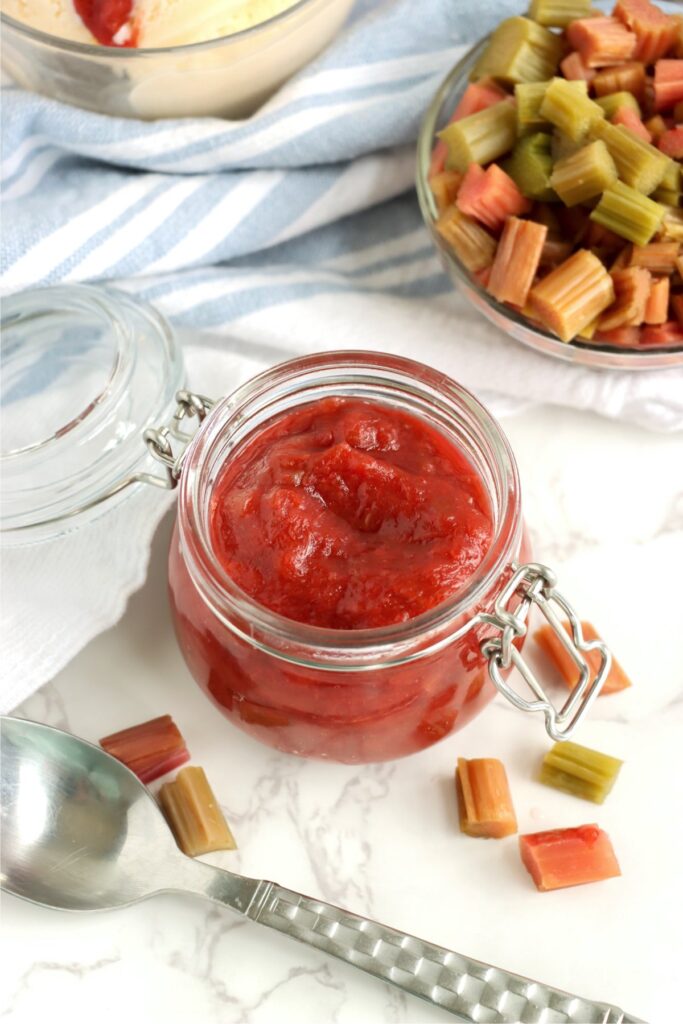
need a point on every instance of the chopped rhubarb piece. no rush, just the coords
(550, 643)
(572, 295)
(574, 70)
(192, 811)
(668, 84)
(656, 126)
(490, 196)
(478, 96)
(601, 41)
(632, 289)
(566, 105)
(150, 749)
(445, 188)
(439, 156)
(568, 856)
(658, 257)
(630, 120)
(657, 308)
(153, 767)
(517, 259)
(622, 78)
(580, 771)
(656, 32)
(624, 337)
(670, 333)
(438, 161)
(484, 800)
(468, 239)
(483, 276)
(671, 142)
(587, 333)
(520, 50)
(671, 228)
(481, 137)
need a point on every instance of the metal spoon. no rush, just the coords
(81, 832)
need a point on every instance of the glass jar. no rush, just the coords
(347, 695)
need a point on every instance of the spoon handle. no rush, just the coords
(472, 990)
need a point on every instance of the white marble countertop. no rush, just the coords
(605, 506)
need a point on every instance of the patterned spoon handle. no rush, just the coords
(472, 990)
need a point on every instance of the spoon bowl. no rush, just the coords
(79, 831)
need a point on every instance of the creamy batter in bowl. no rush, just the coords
(228, 76)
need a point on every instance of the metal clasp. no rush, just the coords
(159, 439)
(534, 585)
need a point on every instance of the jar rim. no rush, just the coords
(344, 369)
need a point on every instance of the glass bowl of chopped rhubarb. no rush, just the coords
(550, 176)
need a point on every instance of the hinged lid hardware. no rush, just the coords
(534, 585)
(158, 440)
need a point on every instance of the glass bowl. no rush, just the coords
(512, 323)
(229, 77)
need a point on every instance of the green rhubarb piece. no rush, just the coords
(673, 177)
(567, 106)
(628, 213)
(672, 225)
(639, 164)
(615, 101)
(482, 137)
(559, 13)
(584, 175)
(520, 50)
(529, 96)
(563, 146)
(530, 167)
(667, 197)
(579, 770)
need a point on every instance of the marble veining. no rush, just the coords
(604, 505)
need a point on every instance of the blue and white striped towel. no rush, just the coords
(291, 232)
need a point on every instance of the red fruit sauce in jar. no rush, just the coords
(336, 541)
(349, 515)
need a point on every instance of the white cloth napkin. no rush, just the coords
(292, 232)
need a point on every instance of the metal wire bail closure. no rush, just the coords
(158, 439)
(534, 585)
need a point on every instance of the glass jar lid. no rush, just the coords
(85, 371)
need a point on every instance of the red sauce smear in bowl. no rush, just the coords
(105, 18)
